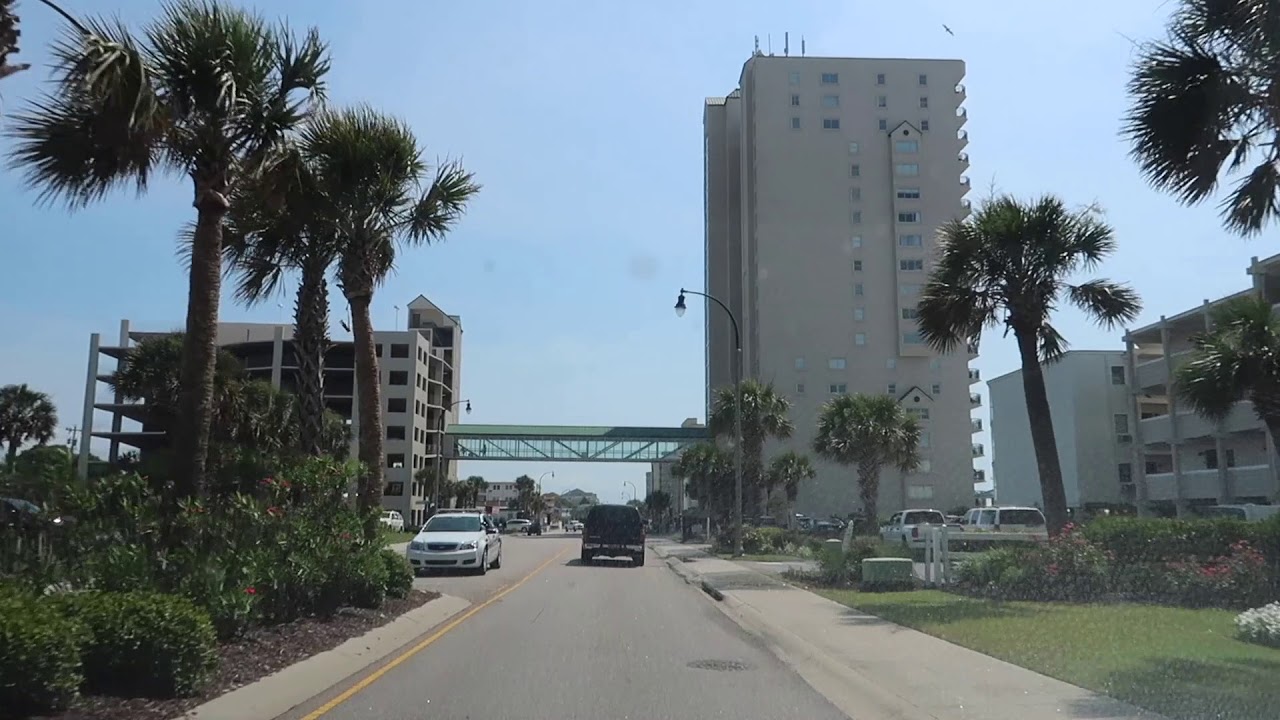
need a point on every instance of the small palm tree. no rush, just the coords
(764, 418)
(868, 432)
(475, 486)
(1238, 359)
(658, 504)
(1010, 265)
(1203, 103)
(26, 415)
(526, 491)
(376, 194)
(206, 91)
(788, 471)
(9, 35)
(707, 471)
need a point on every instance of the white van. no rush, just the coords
(1248, 513)
(1004, 519)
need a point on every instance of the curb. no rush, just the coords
(282, 691)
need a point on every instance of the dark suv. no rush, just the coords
(613, 531)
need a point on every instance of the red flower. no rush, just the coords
(275, 511)
(1053, 569)
(251, 590)
(345, 536)
(284, 484)
(268, 481)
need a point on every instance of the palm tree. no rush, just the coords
(1009, 265)
(658, 504)
(370, 193)
(475, 485)
(526, 490)
(764, 417)
(206, 91)
(707, 471)
(868, 432)
(1202, 102)
(26, 415)
(273, 228)
(9, 34)
(1237, 359)
(787, 471)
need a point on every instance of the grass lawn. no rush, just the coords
(1184, 664)
(761, 558)
(398, 537)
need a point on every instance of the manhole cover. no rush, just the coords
(719, 665)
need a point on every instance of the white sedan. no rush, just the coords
(464, 540)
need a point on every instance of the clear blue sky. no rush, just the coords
(583, 121)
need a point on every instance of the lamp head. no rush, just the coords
(680, 306)
(468, 407)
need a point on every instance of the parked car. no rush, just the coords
(467, 540)
(613, 531)
(906, 526)
(516, 525)
(393, 520)
(1005, 519)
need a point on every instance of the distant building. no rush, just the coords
(421, 376)
(576, 496)
(659, 477)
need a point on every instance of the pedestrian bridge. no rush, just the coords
(570, 442)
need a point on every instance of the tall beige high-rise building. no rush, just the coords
(826, 181)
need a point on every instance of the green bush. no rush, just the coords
(1132, 541)
(838, 568)
(40, 668)
(365, 579)
(142, 643)
(399, 574)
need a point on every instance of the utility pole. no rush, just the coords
(73, 442)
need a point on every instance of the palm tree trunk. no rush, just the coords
(370, 399)
(869, 494)
(1043, 440)
(11, 452)
(311, 340)
(199, 350)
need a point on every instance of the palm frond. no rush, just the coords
(443, 204)
(1107, 303)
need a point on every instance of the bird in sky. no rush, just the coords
(944, 27)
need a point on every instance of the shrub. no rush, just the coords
(399, 574)
(1260, 625)
(1068, 567)
(40, 667)
(838, 568)
(143, 643)
(364, 580)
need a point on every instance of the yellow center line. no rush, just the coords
(373, 677)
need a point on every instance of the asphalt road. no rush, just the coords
(599, 642)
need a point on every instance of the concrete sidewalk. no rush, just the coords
(873, 669)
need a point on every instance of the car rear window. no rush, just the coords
(1021, 517)
(925, 517)
(619, 515)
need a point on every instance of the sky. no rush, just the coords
(583, 121)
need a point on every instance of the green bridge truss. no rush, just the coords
(569, 442)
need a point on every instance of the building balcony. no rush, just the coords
(1246, 481)
(975, 400)
(963, 137)
(960, 94)
(975, 375)
(965, 183)
(979, 450)
(962, 113)
(975, 425)
(1159, 429)
(963, 158)
(979, 476)
(1154, 373)
(972, 347)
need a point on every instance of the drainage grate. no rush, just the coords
(719, 665)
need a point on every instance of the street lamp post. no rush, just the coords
(633, 489)
(552, 473)
(737, 412)
(440, 450)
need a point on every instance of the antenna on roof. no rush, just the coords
(801, 46)
(769, 39)
(786, 44)
(757, 50)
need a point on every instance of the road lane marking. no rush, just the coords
(375, 675)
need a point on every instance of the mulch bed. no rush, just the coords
(258, 654)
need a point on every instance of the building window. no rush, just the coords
(397, 405)
(1125, 472)
(911, 216)
(399, 350)
(859, 314)
(377, 350)
(911, 265)
(795, 123)
(395, 460)
(395, 432)
(882, 101)
(919, 413)
(908, 289)
(799, 388)
(398, 377)
(892, 389)
(924, 125)
(836, 364)
(937, 389)
(838, 388)
(794, 78)
(907, 169)
(859, 338)
(1121, 422)
(910, 313)
(855, 170)
(853, 148)
(880, 78)
(924, 466)
(856, 217)
(857, 289)
(908, 193)
(856, 241)
(924, 80)
(830, 78)
(830, 101)
(926, 439)
(1117, 374)
(800, 362)
(912, 338)
(924, 103)
(891, 363)
(883, 124)
(795, 100)
(830, 123)
(855, 194)
(857, 266)
(907, 146)
(910, 241)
